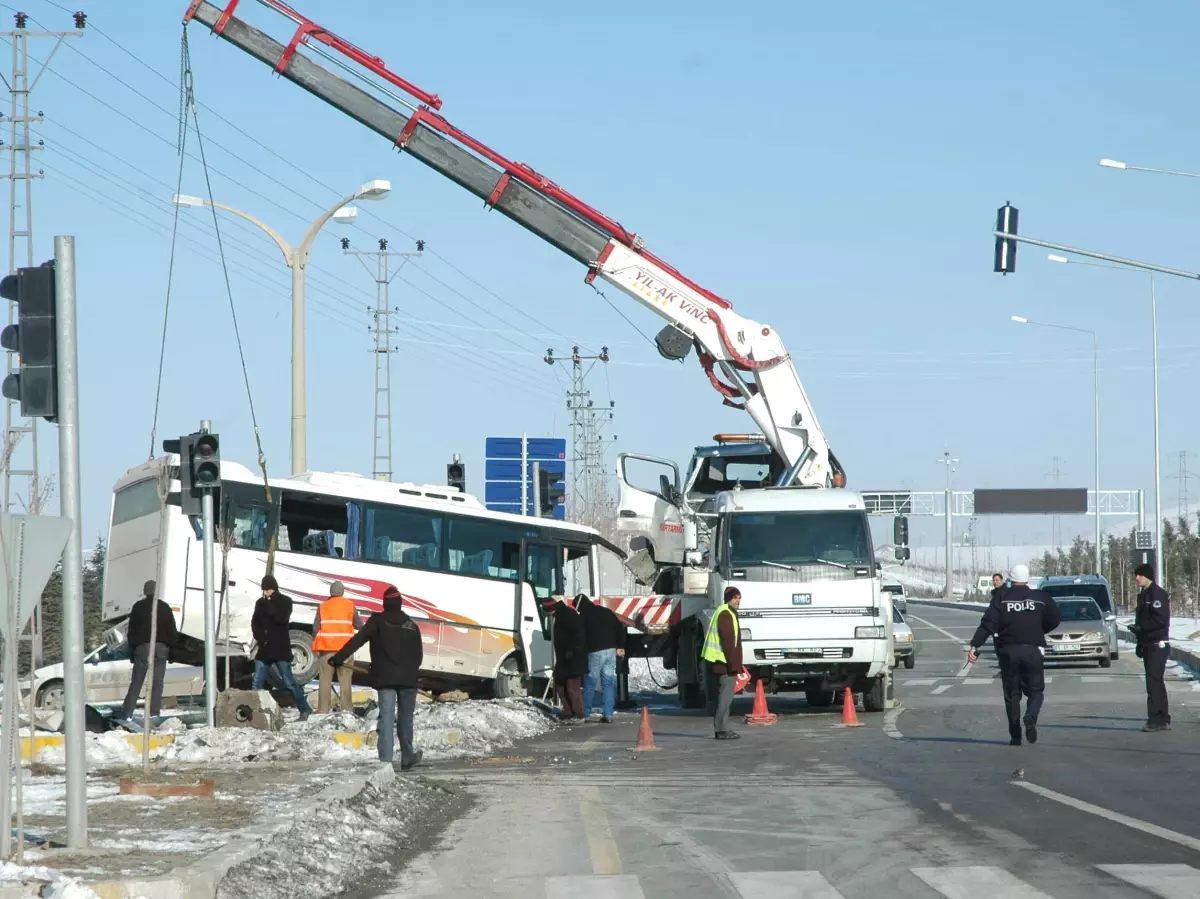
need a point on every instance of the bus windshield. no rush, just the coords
(798, 538)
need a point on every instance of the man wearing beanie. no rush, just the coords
(337, 620)
(1018, 620)
(1152, 628)
(396, 656)
(271, 626)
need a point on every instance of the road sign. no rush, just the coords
(1051, 501)
(508, 471)
(33, 544)
(1143, 539)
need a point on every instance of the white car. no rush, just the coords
(106, 676)
(904, 640)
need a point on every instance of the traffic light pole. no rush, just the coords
(72, 564)
(210, 600)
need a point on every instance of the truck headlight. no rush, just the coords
(869, 633)
(746, 634)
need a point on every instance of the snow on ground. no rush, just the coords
(649, 676)
(55, 885)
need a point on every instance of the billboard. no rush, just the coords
(1050, 501)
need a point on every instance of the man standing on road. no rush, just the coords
(570, 659)
(1152, 628)
(396, 655)
(165, 637)
(605, 637)
(271, 626)
(1018, 620)
(723, 652)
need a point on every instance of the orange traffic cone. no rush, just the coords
(850, 710)
(759, 714)
(645, 741)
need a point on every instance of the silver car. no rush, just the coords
(904, 641)
(1083, 634)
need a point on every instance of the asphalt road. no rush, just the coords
(924, 801)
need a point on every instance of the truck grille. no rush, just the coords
(821, 652)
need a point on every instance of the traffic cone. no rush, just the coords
(759, 714)
(645, 741)
(850, 710)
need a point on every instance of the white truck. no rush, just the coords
(800, 553)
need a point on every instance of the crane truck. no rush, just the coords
(791, 538)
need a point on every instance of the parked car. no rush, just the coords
(106, 676)
(1091, 586)
(1083, 634)
(898, 593)
(904, 640)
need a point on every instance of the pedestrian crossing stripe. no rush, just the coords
(966, 882)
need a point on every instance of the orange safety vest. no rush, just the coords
(337, 624)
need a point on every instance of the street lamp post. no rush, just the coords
(1022, 320)
(949, 463)
(1158, 516)
(296, 259)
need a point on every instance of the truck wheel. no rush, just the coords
(819, 699)
(910, 662)
(873, 697)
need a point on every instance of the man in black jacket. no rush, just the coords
(1018, 620)
(271, 627)
(570, 659)
(1152, 628)
(396, 656)
(138, 635)
(605, 637)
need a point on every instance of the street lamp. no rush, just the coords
(1158, 526)
(1126, 167)
(1022, 320)
(949, 463)
(296, 259)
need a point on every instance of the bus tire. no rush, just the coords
(304, 660)
(510, 680)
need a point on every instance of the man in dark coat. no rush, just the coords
(1152, 628)
(605, 636)
(271, 626)
(141, 622)
(396, 656)
(570, 659)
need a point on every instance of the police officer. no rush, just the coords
(1017, 620)
(1152, 628)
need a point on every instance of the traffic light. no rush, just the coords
(551, 492)
(206, 461)
(1006, 248)
(900, 531)
(189, 497)
(456, 476)
(34, 340)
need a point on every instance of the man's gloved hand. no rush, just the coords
(1139, 650)
(1133, 628)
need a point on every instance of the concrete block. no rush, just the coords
(248, 708)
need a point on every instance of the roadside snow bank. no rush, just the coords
(52, 883)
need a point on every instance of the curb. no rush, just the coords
(199, 880)
(1175, 654)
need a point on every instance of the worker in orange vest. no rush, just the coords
(337, 620)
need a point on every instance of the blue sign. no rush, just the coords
(503, 478)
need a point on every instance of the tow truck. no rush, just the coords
(815, 617)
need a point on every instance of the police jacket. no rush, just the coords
(1018, 617)
(1152, 621)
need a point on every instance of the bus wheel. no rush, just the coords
(510, 681)
(304, 660)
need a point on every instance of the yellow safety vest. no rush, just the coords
(712, 640)
(337, 624)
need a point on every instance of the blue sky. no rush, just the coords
(833, 169)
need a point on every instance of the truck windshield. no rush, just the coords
(798, 538)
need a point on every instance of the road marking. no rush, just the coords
(1144, 826)
(940, 630)
(783, 885)
(976, 881)
(977, 681)
(939, 690)
(890, 726)
(601, 845)
(1096, 678)
(917, 682)
(1168, 881)
(623, 886)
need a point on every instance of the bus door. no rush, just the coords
(542, 579)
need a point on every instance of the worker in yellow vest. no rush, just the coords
(337, 620)
(723, 652)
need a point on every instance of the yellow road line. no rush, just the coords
(606, 859)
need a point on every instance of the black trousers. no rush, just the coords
(1021, 673)
(1154, 661)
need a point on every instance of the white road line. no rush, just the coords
(1145, 827)
(937, 691)
(1168, 881)
(976, 681)
(917, 682)
(620, 886)
(940, 630)
(783, 885)
(1095, 678)
(976, 881)
(891, 723)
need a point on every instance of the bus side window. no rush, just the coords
(399, 536)
(315, 525)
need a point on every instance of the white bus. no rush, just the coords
(473, 579)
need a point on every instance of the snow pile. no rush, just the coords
(53, 884)
(338, 845)
(470, 729)
(649, 676)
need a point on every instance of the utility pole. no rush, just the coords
(590, 490)
(949, 463)
(21, 176)
(1184, 509)
(381, 466)
(1056, 522)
